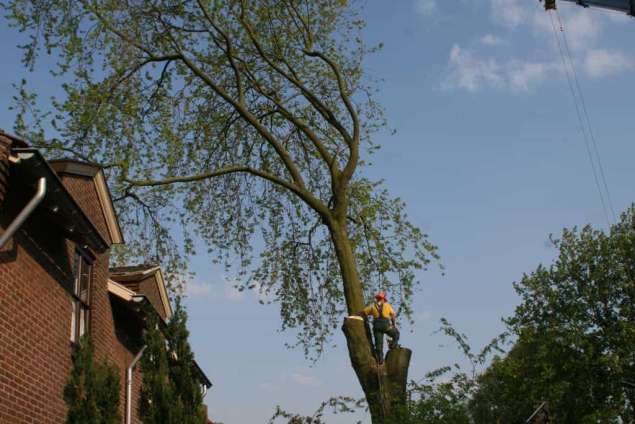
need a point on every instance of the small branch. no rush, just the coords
(354, 142)
(253, 120)
(321, 148)
(317, 104)
(342, 89)
(227, 51)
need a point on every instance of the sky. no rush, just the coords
(489, 157)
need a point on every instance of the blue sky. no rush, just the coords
(488, 156)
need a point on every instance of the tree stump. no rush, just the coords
(384, 385)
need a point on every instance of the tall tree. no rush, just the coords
(575, 328)
(246, 122)
(92, 390)
(158, 394)
(573, 334)
(171, 389)
(183, 372)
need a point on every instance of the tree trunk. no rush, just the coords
(384, 385)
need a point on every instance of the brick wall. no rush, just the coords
(35, 349)
(109, 345)
(83, 191)
(35, 315)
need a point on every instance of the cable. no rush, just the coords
(588, 120)
(581, 121)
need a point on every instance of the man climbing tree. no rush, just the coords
(384, 318)
(247, 123)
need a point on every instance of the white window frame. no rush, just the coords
(80, 302)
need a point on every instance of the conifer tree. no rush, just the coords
(92, 390)
(157, 392)
(170, 393)
(182, 370)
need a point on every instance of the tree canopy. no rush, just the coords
(572, 337)
(576, 325)
(243, 123)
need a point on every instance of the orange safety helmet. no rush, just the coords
(380, 296)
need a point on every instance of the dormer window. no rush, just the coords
(80, 303)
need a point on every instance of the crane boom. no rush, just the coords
(626, 6)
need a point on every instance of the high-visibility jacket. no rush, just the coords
(374, 310)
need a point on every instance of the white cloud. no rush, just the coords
(470, 72)
(304, 380)
(298, 378)
(523, 76)
(509, 13)
(426, 7)
(195, 287)
(268, 387)
(600, 63)
(583, 30)
(423, 316)
(231, 291)
(491, 40)
(258, 292)
(198, 289)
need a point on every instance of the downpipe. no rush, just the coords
(129, 384)
(24, 213)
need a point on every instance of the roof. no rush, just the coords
(94, 171)
(137, 273)
(135, 299)
(58, 205)
(16, 141)
(133, 270)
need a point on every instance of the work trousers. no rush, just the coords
(381, 327)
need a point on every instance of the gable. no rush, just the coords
(148, 281)
(88, 184)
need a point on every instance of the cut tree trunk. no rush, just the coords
(384, 384)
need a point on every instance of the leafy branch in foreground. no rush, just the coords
(337, 405)
(572, 335)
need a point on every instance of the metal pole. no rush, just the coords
(24, 214)
(542, 405)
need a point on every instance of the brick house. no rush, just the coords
(56, 284)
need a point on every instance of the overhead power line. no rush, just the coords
(583, 118)
(588, 120)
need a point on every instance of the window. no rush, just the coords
(81, 297)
